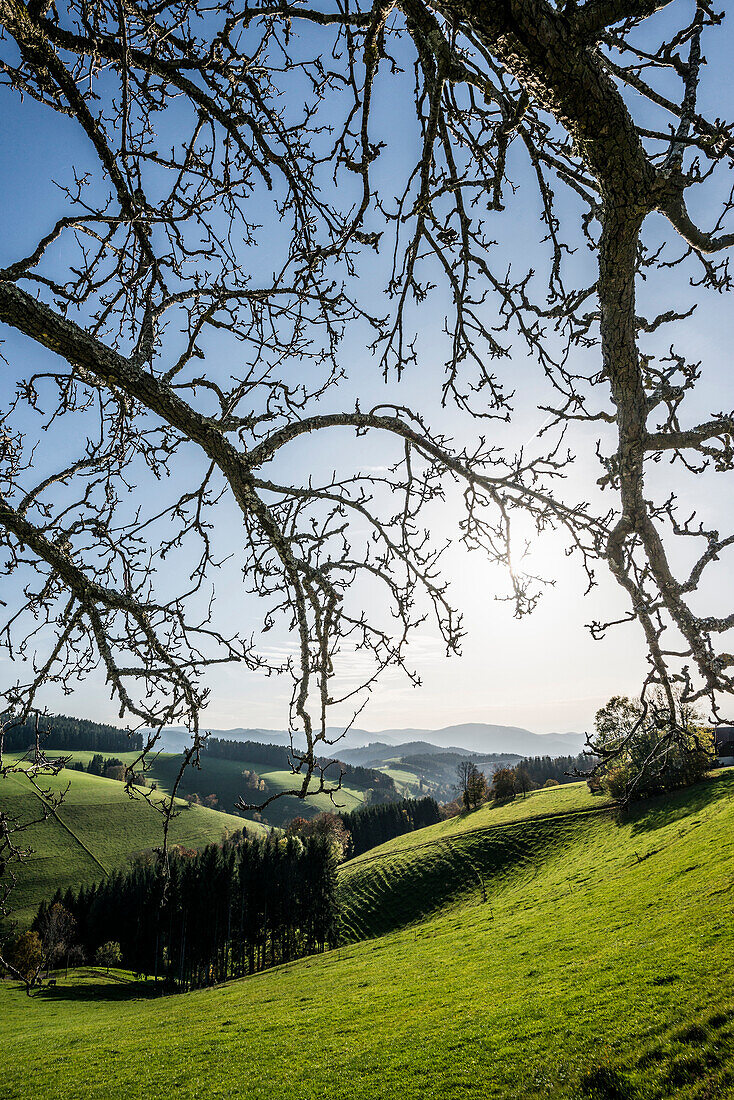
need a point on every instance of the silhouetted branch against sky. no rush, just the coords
(253, 191)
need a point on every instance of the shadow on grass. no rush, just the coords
(406, 888)
(104, 991)
(650, 814)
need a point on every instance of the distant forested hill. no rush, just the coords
(70, 734)
(277, 756)
(435, 772)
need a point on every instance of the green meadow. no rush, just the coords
(97, 828)
(570, 798)
(223, 778)
(542, 949)
(405, 781)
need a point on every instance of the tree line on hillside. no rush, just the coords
(475, 789)
(226, 911)
(527, 775)
(99, 765)
(373, 825)
(435, 773)
(437, 763)
(279, 756)
(69, 734)
(564, 769)
(111, 767)
(641, 752)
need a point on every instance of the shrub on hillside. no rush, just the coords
(326, 825)
(57, 929)
(108, 954)
(27, 955)
(523, 782)
(551, 783)
(503, 785)
(615, 781)
(649, 751)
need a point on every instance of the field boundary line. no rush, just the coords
(71, 833)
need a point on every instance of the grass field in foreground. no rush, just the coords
(601, 955)
(96, 829)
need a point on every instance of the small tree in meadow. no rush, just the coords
(27, 958)
(476, 788)
(253, 782)
(523, 782)
(464, 771)
(58, 933)
(76, 955)
(108, 954)
(503, 785)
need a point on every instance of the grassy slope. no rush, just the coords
(224, 778)
(571, 798)
(599, 943)
(97, 828)
(405, 780)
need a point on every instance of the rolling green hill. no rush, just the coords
(223, 778)
(96, 829)
(597, 967)
(571, 798)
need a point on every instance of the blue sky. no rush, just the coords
(543, 671)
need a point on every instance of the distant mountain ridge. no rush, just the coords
(482, 737)
(471, 737)
(378, 753)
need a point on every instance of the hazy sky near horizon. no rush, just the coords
(544, 671)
